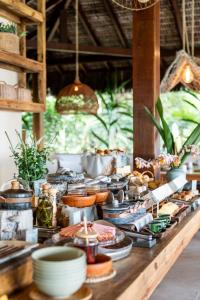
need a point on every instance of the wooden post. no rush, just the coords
(146, 78)
(38, 129)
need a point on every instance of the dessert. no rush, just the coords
(168, 209)
(185, 195)
(104, 233)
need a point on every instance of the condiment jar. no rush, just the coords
(44, 211)
(15, 198)
(88, 242)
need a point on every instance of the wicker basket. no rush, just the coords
(7, 91)
(9, 42)
(24, 95)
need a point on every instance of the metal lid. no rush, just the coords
(16, 191)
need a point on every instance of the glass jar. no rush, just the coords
(44, 211)
(87, 242)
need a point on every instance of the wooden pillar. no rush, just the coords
(146, 78)
(38, 126)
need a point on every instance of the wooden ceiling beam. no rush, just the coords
(86, 59)
(84, 49)
(117, 26)
(57, 21)
(90, 32)
(52, 4)
(178, 18)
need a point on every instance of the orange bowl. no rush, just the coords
(102, 197)
(79, 201)
(102, 266)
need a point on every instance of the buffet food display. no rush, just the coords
(101, 219)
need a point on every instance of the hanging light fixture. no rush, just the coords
(135, 4)
(77, 97)
(187, 75)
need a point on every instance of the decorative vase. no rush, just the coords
(174, 173)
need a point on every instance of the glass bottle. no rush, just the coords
(44, 211)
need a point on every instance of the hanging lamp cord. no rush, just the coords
(185, 32)
(77, 41)
(192, 28)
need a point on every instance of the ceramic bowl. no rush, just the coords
(102, 197)
(79, 201)
(59, 271)
(102, 266)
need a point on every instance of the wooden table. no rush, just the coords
(140, 273)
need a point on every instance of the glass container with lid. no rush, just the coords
(88, 242)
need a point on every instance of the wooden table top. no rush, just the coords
(140, 273)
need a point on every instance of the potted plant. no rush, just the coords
(169, 142)
(9, 40)
(30, 158)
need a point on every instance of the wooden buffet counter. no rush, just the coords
(140, 273)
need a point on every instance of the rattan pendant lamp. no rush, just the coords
(77, 97)
(135, 4)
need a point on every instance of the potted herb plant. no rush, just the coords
(9, 40)
(30, 159)
(169, 142)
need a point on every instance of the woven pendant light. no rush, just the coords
(77, 97)
(135, 4)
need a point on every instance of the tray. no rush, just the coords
(162, 234)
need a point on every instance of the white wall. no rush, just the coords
(9, 121)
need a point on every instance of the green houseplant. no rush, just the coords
(30, 159)
(169, 142)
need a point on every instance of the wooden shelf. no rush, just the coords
(13, 105)
(13, 59)
(22, 10)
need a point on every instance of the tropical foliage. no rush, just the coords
(112, 126)
(167, 135)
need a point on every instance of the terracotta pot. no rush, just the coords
(102, 267)
(79, 201)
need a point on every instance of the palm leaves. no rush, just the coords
(167, 136)
(114, 110)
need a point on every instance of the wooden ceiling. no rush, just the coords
(105, 40)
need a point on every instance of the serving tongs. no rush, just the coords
(135, 234)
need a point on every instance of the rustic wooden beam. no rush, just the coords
(63, 26)
(56, 22)
(85, 59)
(178, 18)
(117, 26)
(52, 4)
(84, 49)
(22, 10)
(146, 78)
(86, 25)
(38, 125)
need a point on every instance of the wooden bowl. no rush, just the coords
(79, 201)
(102, 197)
(102, 267)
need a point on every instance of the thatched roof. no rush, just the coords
(104, 24)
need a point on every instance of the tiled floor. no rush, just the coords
(183, 280)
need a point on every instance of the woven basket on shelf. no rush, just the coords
(24, 95)
(7, 91)
(9, 42)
